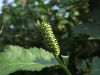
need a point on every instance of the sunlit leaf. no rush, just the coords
(16, 58)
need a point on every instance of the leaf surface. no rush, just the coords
(16, 58)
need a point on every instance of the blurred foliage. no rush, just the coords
(20, 16)
(20, 19)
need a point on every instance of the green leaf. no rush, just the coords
(65, 59)
(90, 29)
(95, 67)
(16, 58)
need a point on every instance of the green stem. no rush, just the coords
(66, 70)
(63, 66)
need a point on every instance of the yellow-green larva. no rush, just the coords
(48, 34)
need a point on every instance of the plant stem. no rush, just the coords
(66, 70)
(63, 66)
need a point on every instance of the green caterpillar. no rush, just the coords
(47, 33)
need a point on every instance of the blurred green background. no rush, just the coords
(76, 25)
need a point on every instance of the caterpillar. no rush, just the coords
(49, 36)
